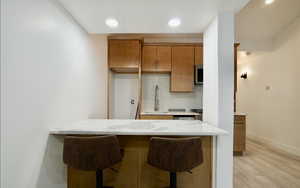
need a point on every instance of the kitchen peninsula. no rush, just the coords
(134, 135)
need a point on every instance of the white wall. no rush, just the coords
(218, 92)
(166, 98)
(272, 114)
(99, 50)
(49, 76)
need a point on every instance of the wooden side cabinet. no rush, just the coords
(156, 59)
(239, 143)
(124, 55)
(182, 76)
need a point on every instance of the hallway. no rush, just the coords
(261, 167)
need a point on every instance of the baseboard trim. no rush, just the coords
(284, 149)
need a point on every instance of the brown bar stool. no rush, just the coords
(94, 153)
(175, 155)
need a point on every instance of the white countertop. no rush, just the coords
(240, 114)
(180, 113)
(170, 113)
(139, 127)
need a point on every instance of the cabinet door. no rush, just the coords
(198, 55)
(149, 59)
(239, 138)
(156, 59)
(182, 76)
(164, 57)
(124, 54)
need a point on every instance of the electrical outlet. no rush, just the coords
(132, 101)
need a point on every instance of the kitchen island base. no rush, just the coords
(134, 172)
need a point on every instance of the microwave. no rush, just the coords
(199, 74)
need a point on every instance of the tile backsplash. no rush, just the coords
(166, 98)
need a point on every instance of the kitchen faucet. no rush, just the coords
(156, 100)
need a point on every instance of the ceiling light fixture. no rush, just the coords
(268, 2)
(174, 22)
(112, 22)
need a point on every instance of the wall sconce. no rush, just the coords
(244, 75)
(244, 53)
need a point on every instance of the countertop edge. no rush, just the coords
(136, 134)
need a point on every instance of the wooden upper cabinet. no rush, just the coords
(124, 55)
(149, 58)
(164, 57)
(157, 59)
(198, 55)
(182, 76)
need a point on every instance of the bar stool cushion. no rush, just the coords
(91, 153)
(175, 154)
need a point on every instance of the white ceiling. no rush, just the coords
(259, 22)
(148, 16)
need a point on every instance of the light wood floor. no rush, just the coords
(261, 167)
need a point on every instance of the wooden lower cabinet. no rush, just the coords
(239, 143)
(135, 172)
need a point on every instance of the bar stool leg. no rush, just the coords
(99, 178)
(173, 180)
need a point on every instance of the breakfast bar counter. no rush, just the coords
(134, 136)
(139, 127)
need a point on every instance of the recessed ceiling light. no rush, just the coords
(112, 22)
(174, 22)
(268, 2)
